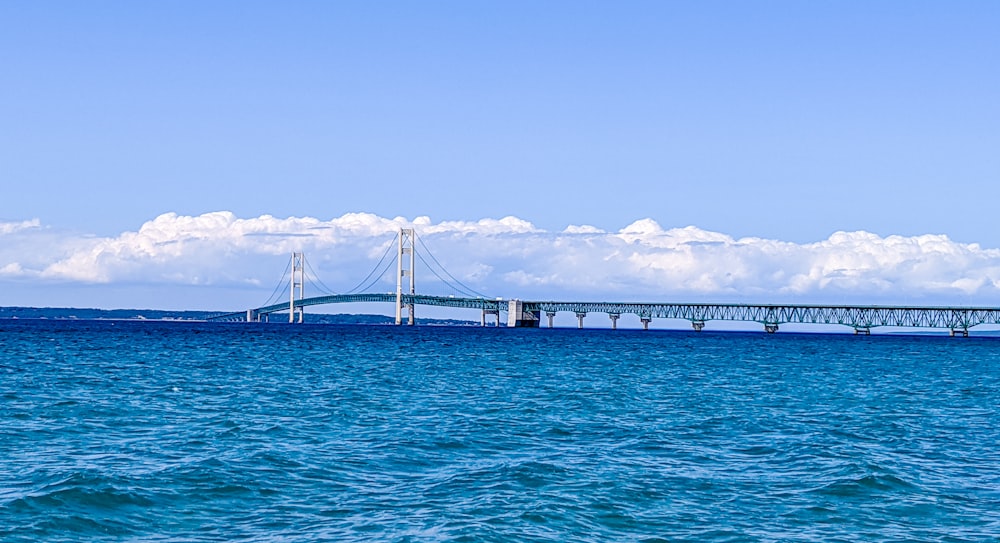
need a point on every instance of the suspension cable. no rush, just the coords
(317, 281)
(369, 276)
(281, 284)
(286, 287)
(377, 272)
(468, 289)
(380, 274)
(463, 292)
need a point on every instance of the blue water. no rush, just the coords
(129, 431)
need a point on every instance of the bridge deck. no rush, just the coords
(859, 317)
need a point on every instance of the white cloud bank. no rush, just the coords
(511, 257)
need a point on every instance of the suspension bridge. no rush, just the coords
(528, 314)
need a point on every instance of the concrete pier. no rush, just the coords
(519, 317)
(614, 320)
(494, 312)
(579, 317)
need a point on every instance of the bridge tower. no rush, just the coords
(298, 282)
(407, 237)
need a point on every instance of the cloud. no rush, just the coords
(12, 227)
(511, 257)
(12, 269)
(582, 229)
(847, 263)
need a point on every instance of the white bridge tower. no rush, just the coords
(298, 282)
(407, 237)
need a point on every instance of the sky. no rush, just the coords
(170, 155)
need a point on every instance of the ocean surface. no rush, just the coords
(156, 431)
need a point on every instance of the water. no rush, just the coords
(128, 431)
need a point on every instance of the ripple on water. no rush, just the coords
(197, 432)
(83, 505)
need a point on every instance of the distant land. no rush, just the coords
(71, 313)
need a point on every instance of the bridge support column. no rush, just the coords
(645, 322)
(770, 328)
(495, 313)
(956, 332)
(551, 315)
(519, 317)
(862, 331)
(579, 317)
(697, 325)
(614, 320)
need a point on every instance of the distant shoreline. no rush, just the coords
(75, 313)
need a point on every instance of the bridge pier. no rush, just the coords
(494, 312)
(614, 320)
(862, 331)
(551, 315)
(697, 325)
(519, 317)
(579, 317)
(963, 332)
(645, 322)
(770, 328)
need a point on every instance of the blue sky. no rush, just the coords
(785, 121)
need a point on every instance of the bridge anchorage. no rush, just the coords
(528, 314)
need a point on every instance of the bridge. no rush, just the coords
(528, 314)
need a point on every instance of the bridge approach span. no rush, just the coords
(862, 318)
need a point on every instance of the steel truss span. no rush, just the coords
(861, 318)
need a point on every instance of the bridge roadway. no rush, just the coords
(862, 318)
